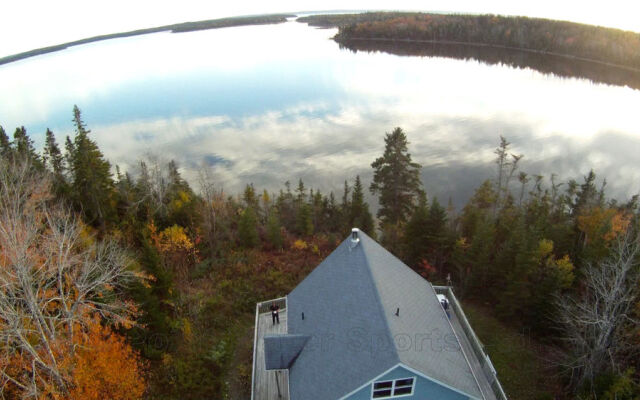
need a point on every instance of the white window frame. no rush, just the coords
(393, 388)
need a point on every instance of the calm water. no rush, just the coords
(266, 104)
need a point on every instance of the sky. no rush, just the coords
(30, 24)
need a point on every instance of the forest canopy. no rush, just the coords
(147, 284)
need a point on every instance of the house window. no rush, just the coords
(392, 389)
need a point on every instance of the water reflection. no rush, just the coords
(275, 103)
(457, 154)
(565, 67)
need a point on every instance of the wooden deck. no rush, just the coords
(268, 385)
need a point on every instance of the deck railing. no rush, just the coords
(262, 307)
(476, 344)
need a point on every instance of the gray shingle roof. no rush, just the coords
(349, 303)
(280, 351)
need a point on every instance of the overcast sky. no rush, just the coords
(29, 24)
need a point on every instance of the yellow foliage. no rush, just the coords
(172, 239)
(545, 247)
(462, 243)
(179, 202)
(187, 331)
(565, 270)
(300, 245)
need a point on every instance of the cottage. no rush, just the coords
(363, 325)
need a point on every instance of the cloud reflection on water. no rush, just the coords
(324, 149)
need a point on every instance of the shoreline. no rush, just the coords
(605, 46)
(182, 27)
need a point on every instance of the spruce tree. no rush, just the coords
(274, 234)
(52, 154)
(360, 216)
(396, 179)
(304, 220)
(416, 234)
(248, 229)
(24, 148)
(92, 183)
(345, 209)
(54, 160)
(5, 144)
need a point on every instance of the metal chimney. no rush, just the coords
(355, 235)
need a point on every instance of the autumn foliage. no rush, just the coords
(58, 285)
(104, 366)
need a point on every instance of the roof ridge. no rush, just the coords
(376, 293)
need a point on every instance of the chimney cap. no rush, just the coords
(354, 235)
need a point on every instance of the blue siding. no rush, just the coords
(424, 389)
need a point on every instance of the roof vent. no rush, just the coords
(354, 235)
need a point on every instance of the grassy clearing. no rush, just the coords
(519, 360)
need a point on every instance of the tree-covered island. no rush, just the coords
(587, 42)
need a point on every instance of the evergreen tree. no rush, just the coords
(345, 209)
(249, 196)
(24, 149)
(156, 302)
(301, 193)
(5, 144)
(417, 234)
(396, 179)
(52, 154)
(360, 216)
(92, 183)
(274, 234)
(181, 209)
(248, 228)
(304, 223)
(54, 160)
(439, 239)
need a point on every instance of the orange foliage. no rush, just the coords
(105, 366)
(425, 269)
(607, 224)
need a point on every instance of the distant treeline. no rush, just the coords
(606, 45)
(174, 28)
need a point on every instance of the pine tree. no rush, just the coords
(92, 183)
(24, 149)
(416, 234)
(360, 216)
(396, 179)
(274, 234)
(304, 220)
(52, 154)
(345, 209)
(54, 160)
(248, 229)
(249, 196)
(5, 144)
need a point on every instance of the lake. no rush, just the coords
(267, 104)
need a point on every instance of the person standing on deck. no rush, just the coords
(274, 313)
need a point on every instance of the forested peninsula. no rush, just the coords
(174, 28)
(587, 42)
